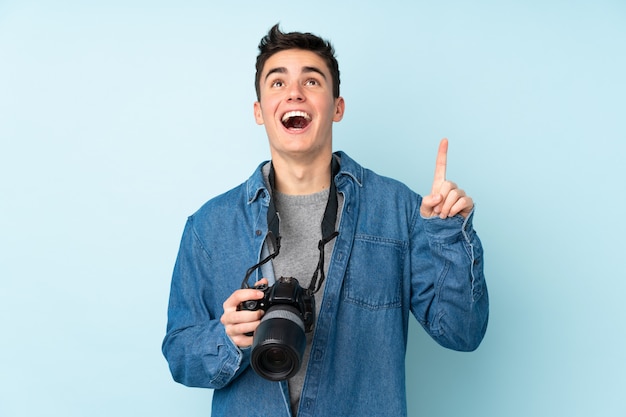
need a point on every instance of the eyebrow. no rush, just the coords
(305, 70)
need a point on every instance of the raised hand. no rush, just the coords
(446, 199)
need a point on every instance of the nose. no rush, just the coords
(295, 93)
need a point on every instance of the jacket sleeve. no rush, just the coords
(197, 349)
(449, 295)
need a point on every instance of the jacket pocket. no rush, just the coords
(374, 274)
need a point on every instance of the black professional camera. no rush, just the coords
(280, 340)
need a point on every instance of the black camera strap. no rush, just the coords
(328, 230)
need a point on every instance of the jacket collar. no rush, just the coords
(350, 170)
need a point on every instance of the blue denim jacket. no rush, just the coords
(387, 261)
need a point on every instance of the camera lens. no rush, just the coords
(274, 359)
(279, 343)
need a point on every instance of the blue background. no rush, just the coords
(119, 119)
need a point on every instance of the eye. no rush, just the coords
(277, 84)
(312, 82)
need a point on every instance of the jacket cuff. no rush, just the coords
(450, 229)
(234, 361)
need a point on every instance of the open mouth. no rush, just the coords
(296, 120)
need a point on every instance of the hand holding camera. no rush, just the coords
(240, 324)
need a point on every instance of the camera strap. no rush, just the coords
(328, 229)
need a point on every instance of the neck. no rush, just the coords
(300, 179)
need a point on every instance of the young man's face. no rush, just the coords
(297, 105)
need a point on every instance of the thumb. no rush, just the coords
(430, 203)
(261, 281)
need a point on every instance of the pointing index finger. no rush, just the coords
(440, 166)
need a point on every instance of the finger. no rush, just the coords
(240, 325)
(241, 334)
(243, 328)
(457, 202)
(430, 201)
(261, 281)
(428, 204)
(463, 207)
(242, 341)
(239, 317)
(239, 297)
(444, 191)
(452, 197)
(440, 165)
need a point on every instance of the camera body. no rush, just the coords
(285, 292)
(279, 340)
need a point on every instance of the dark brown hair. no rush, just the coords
(277, 41)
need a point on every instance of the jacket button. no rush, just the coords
(258, 232)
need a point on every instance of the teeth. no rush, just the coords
(296, 114)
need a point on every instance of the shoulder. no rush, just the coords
(369, 181)
(382, 207)
(234, 201)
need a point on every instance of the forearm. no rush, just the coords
(196, 346)
(203, 356)
(453, 304)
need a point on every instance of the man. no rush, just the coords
(390, 252)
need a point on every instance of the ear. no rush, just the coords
(340, 108)
(258, 114)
